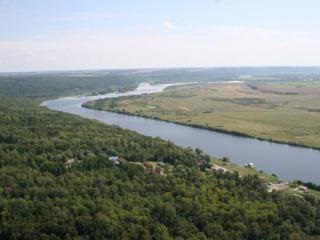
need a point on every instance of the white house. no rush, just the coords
(114, 159)
(250, 165)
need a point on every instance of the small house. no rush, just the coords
(117, 160)
(250, 165)
(114, 159)
(149, 165)
(303, 189)
(69, 162)
(154, 167)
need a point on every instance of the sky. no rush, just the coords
(39, 35)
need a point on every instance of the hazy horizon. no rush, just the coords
(80, 35)
(157, 69)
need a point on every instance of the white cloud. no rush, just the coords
(224, 46)
(168, 25)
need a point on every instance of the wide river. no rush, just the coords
(288, 162)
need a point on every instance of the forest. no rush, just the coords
(42, 198)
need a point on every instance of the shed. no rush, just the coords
(114, 159)
(68, 163)
(149, 164)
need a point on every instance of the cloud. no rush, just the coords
(168, 25)
(219, 46)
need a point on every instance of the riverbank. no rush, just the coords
(288, 162)
(273, 112)
(273, 183)
(233, 133)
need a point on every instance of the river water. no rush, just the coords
(288, 162)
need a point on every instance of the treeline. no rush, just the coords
(44, 140)
(44, 85)
(40, 198)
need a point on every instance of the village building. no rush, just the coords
(69, 162)
(154, 167)
(302, 189)
(250, 165)
(117, 160)
(114, 159)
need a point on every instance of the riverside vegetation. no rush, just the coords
(281, 112)
(43, 199)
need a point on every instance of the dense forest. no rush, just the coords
(42, 198)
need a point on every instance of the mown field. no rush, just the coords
(284, 112)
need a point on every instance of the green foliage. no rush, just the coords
(40, 198)
(44, 85)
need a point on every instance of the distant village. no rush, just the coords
(161, 168)
(150, 167)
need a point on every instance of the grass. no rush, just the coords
(314, 193)
(285, 112)
(311, 192)
(282, 112)
(243, 171)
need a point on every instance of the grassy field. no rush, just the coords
(244, 171)
(268, 178)
(284, 112)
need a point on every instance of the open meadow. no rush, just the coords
(285, 112)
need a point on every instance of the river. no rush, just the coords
(288, 162)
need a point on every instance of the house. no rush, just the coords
(68, 163)
(154, 167)
(149, 165)
(117, 160)
(302, 189)
(250, 165)
(114, 159)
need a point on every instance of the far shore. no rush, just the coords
(225, 131)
